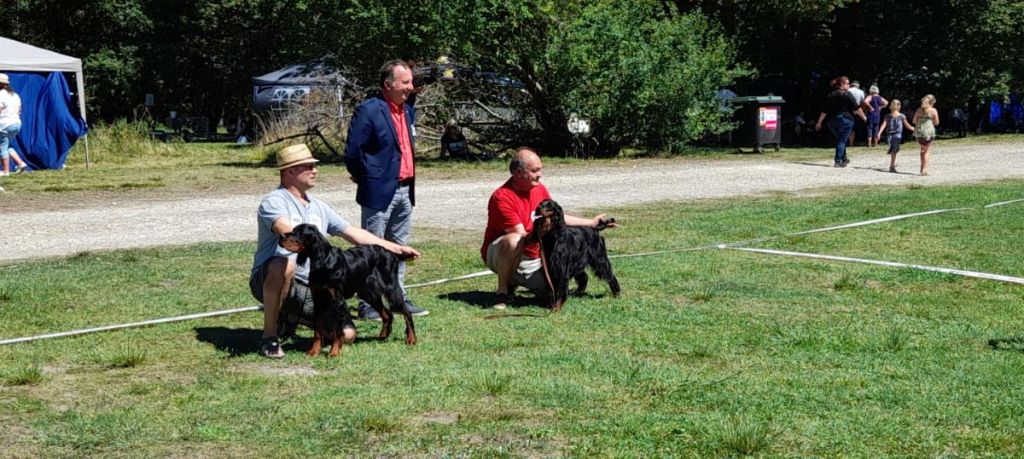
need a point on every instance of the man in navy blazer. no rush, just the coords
(380, 156)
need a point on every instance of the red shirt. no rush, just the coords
(509, 207)
(404, 143)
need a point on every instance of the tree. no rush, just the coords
(106, 35)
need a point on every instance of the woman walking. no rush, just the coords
(10, 122)
(840, 108)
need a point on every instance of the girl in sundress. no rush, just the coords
(925, 120)
(893, 125)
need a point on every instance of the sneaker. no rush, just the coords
(414, 311)
(838, 164)
(845, 162)
(504, 301)
(19, 169)
(366, 312)
(4, 174)
(271, 348)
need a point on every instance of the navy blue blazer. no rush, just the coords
(372, 156)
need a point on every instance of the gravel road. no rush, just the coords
(461, 204)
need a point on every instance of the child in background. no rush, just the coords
(925, 120)
(892, 126)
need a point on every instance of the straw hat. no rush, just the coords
(294, 156)
(4, 79)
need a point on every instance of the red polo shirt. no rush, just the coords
(406, 170)
(509, 207)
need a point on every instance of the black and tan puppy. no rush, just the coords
(569, 250)
(368, 271)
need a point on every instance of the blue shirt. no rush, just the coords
(895, 125)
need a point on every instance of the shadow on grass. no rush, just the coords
(1013, 343)
(238, 342)
(485, 300)
(477, 298)
(234, 341)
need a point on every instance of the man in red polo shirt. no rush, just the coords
(510, 214)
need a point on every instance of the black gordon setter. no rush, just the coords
(568, 250)
(368, 271)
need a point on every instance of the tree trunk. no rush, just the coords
(552, 120)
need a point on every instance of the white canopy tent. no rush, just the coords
(16, 56)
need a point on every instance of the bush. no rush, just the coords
(121, 142)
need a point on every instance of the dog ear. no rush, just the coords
(557, 217)
(535, 233)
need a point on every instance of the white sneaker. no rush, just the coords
(4, 174)
(2, 189)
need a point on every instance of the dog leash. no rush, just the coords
(544, 266)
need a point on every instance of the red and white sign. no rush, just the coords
(768, 117)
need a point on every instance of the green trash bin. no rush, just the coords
(759, 121)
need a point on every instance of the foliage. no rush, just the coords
(953, 49)
(642, 71)
(640, 77)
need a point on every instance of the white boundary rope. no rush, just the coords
(879, 220)
(731, 246)
(960, 272)
(451, 279)
(1003, 203)
(131, 325)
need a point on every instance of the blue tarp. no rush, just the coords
(49, 127)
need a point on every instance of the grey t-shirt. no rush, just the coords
(280, 203)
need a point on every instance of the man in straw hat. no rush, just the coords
(380, 156)
(277, 280)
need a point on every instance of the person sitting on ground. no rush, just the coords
(277, 280)
(510, 212)
(453, 143)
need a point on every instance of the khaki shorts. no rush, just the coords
(529, 273)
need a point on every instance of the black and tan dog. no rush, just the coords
(567, 251)
(368, 271)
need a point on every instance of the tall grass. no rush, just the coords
(123, 142)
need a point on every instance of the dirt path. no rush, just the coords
(461, 204)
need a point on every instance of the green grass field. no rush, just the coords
(707, 353)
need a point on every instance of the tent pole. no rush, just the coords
(81, 109)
